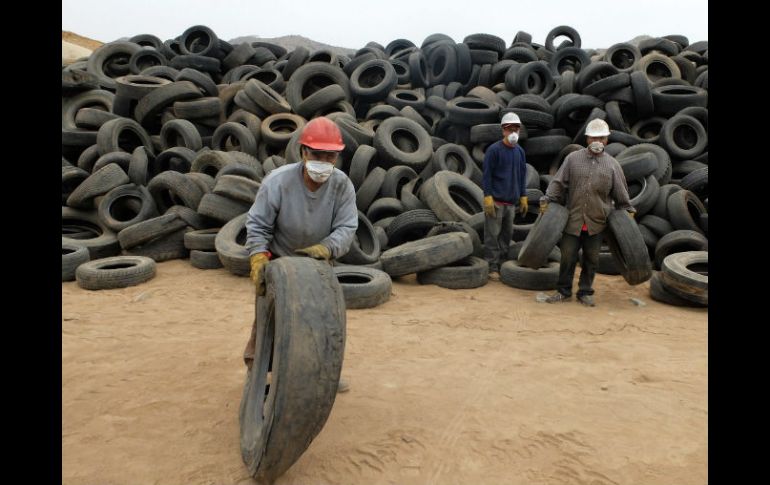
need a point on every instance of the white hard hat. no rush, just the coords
(510, 118)
(597, 127)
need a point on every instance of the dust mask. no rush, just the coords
(513, 138)
(596, 147)
(319, 172)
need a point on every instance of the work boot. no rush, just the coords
(342, 385)
(587, 300)
(557, 297)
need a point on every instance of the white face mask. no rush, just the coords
(319, 172)
(596, 147)
(513, 138)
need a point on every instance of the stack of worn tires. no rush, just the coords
(165, 144)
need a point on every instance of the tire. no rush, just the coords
(103, 241)
(543, 237)
(470, 272)
(655, 66)
(425, 254)
(237, 188)
(201, 239)
(664, 168)
(679, 275)
(366, 248)
(310, 75)
(659, 226)
(93, 118)
(177, 159)
(115, 272)
(204, 259)
(72, 256)
(363, 287)
(180, 133)
(451, 196)
(211, 161)
(373, 80)
(624, 56)
(125, 206)
(411, 225)
(100, 57)
(669, 100)
(566, 31)
(384, 207)
(645, 200)
(122, 134)
(640, 86)
(266, 97)
(232, 130)
(233, 254)
(638, 166)
(135, 87)
(684, 137)
(221, 209)
(160, 98)
(204, 82)
(515, 249)
(659, 293)
(684, 210)
(517, 276)
(321, 100)
(369, 190)
(455, 158)
(173, 188)
(471, 111)
(447, 227)
(386, 138)
(697, 182)
(679, 241)
(163, 248)
(150, 229)
(301, 342)
(360, 163)
(71, 177)
(98, 183)
(628, 248)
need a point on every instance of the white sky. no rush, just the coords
(353, 23)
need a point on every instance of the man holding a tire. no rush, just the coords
(504, 183)
(589, 180)
(305, 208)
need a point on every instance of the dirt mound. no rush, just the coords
(76, 39)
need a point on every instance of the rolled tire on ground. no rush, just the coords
(416, 149)
(658, 292)
(100, 240)
(365, 248)
(677, 242)
(115, 272)
(300, 344)
(543, 237)
(470, 272)
(201, 239)
(230, 244)
(204, 259)
(363, 287)
(628, 248)
(150, 229)
(517, 276)
(686, 275)
(72, 256)
(424, 254)
(451, 196)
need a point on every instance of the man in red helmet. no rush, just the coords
(307, 208)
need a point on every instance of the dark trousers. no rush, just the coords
(497, 235)
(570, 245)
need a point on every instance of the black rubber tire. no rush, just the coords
(639, 165)
(697, 182)
(359, 165)
(470, 272)
(246, 141)
(103, 242)
(229, 244)
(624, 56)
(455, 158)
(671, 99)
(122, 134)
(204, 82)
(628, 248)
(410, 226)
(680, 131)
(182, 133)
(645, 200)
(71, 177)
(373, 80)
(205, 259)
(140, 206)
(100, 57)
(300, 342)
(236, 187)
(363, 287)
(568, 62)
(544, 235)
(221, 209)
(655, 66)
(121, 159)
(447, 227)
(72, 256)
(684, 209)
(566, 31)
(93, 118)
(98, 183)
(425, 254)
(451, 196)
(679, 241)
(384, 207)
(661, 205)
(659, 226)
(659, 293)
(517, 276)
(664, 168)
(370, 188)
(642, 91)
(314, 74)
(115, 272)
(163, 248)
(170, 188)
(201, 239)
(680, 278)
(365, 248)
(150, 229)
(391, 154)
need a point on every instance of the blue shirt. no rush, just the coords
(505, 172)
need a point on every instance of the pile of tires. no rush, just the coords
(163, 139)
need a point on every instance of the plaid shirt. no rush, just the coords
(588, 180)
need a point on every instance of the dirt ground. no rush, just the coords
(447, 387)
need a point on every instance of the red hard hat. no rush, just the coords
(322, 134)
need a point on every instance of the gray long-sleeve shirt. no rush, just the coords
(588, 181)
(286, 215)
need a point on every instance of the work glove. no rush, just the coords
(543, 206)
(523, 204)
(632, 215)
(317, 251)
(258, 262)
(489, 206)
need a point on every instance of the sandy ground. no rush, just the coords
(447, 387)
